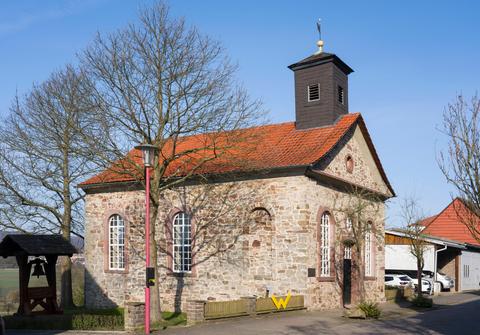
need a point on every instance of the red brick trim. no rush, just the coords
(320, 213)
(106, 251)
(169, 242)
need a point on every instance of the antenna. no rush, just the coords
(320, 41)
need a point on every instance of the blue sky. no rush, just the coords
(410, 59)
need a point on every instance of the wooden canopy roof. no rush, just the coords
(35, 245)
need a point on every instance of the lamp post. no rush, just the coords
(148, 153)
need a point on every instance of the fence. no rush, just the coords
(224, 309)
(201, 310)
(266, 305)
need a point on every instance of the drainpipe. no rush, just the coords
(435, 269)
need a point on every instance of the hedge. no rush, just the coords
(80, 321)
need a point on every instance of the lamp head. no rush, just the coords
(148, 152)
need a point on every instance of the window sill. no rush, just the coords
(181, 274)
(326, 279)
(116, 271)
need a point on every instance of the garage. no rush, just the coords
(470, 270)
(459, 261)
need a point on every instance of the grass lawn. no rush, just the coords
(170, 319)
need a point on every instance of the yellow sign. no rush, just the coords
(280, 302)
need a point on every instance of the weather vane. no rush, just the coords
(320, 41)
(319, 28)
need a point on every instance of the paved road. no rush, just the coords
(456, 314)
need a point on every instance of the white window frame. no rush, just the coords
(116, 242)
(182, 243)
(308, 92)
(325, 245)
(348, 224)
(368, 251)
(347, 252)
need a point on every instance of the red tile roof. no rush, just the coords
(448, 223)
(279, 146)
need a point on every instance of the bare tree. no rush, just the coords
(460, 161)
(363, 215)
(43, 157)
(413, 228)
(161, 82)
(223, 213)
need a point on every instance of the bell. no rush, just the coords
(38, 269)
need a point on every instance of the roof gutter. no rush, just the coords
(436, 257)
(218, 177)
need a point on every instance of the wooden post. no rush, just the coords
(23, 278)
(52, 283)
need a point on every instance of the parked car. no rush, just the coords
(446, 283)
(398, 280)
(427, 283)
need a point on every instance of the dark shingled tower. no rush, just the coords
(321, 89)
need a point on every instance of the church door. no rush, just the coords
(347, 275)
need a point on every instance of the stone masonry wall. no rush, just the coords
(273, 251)
(250, 237)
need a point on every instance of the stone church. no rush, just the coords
(273, 230)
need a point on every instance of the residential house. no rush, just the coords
(450, 247)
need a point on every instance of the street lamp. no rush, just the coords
(148, 153)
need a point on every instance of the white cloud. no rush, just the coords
(26, 20)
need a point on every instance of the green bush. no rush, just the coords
(370, 309)
(97, 322)
(78, 319)
(421, 301)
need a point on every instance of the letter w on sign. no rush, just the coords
(280, 302)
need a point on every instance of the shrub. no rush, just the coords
(421, 301)
(370, 309)
(97, 322)
(79, 319)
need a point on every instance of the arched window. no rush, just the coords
(368, 250)
(347, 252)
(325, 245)
(182, 243)
(116, 243)
(348, 224)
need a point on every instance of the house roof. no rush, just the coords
(35, 245)
(279, 146)
(321, 58)
(448, 223)
(428, 238)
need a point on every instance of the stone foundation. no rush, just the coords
(195, 311)
(134, 315)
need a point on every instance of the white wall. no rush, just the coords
(470, 271)
(398, 257)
